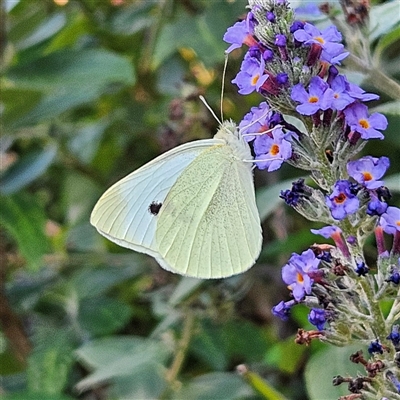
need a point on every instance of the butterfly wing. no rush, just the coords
(209, 226)
(123, 214)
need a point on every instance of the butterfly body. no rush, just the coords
(208, 224)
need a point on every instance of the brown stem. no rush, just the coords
(183, 345)
(9, 321)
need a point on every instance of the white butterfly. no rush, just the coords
(193, 208)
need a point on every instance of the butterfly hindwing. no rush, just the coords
(123, 213)
(209, 226)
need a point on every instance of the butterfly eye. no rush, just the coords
(154, 208)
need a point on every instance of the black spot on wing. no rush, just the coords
(154, 207)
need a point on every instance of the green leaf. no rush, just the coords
(132, 18)
(102, 315)
(120, 357)
(21, 215)
(27, 169)
(146, 383)
(385, 42)
(17, 102)
(389, 108)
(90, 282)
(326, 364)
(216, 385)
(295, 242)
(44, 31)
(70, 78)
(383, 18)
(170, 76)
(219, 343)
(210, 347)
(68, 36)
(84, 237)
(184, 288)
(35, 396)
(267, 198)
(86, 141)
(203, 34)
(393, 182)
(285, 355)
(262, 387)
(79, 194)
(392, 111)
(9, 364)
(50, 362)
(26, 17)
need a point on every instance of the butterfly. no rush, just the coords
(192, 208)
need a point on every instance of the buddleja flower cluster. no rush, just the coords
(294, 66)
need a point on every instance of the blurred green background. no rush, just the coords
(91, 90)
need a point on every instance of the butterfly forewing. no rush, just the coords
(122, 213)
(209, 226)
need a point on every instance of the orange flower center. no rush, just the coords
(313, 99)
(340, 199)
(336, 96)
(364, 123)
(274, 150)
(254, 80)
(367, 176)
(300, 278)
(320, 39)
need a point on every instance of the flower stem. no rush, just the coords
(377, 78)
(173, 372)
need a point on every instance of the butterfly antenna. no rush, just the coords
(210, 109)
(257, 120)
(223, 85)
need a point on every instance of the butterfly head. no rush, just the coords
(229, 132)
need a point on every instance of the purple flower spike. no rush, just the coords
(394, 336)
(296, 273)
(318, 97)
(375, 347)
(255, 121)
(376, 206)
(293, 196)
(280, 40)
(270, 16)
(251, 76)
(317, 317)
(361, 269)
(367, 126)
(237, 35)
(342, 201)
(359, 94)
(327, 231)
(341, 99)
(282, 309)
(390, 220)
(296, 26)
(335, 233)
(272, 151)
(394, 277)
(367, 170)
(332, 51)
(282, 78)
(268, 55)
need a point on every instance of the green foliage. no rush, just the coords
(323, 366)
(216, 385)
(25, 220)
(134, 364)
(89, 92)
